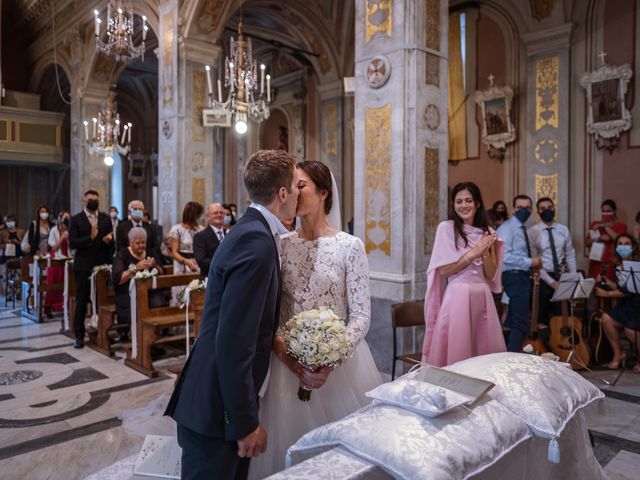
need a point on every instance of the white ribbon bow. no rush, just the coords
(133, 304)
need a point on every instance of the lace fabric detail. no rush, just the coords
(327, 272)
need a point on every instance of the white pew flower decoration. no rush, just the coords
(194, 285)
(102, 268)
(316, 338)
(146, 274)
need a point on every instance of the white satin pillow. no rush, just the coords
(543, 393)
(416, 396)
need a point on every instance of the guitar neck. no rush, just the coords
(535, 306)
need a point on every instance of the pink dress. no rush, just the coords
(460, 315)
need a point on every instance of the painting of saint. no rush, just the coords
(496, 116)
(605, 100)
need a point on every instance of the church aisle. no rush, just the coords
(59, 406)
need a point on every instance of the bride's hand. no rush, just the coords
(291, 363)
(315, 378)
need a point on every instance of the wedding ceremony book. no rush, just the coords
(471, 388)
(160, 457)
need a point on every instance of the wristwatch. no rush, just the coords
(132, 268)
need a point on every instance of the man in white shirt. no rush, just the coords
(551, 241)
(206, 242)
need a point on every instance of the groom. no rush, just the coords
(215, 402)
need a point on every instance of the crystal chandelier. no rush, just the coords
(241, 77)
(107, 137)
(119, 44)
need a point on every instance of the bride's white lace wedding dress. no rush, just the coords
(326, 272)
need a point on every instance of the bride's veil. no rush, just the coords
(334, 214)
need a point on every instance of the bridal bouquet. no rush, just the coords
(316, 338)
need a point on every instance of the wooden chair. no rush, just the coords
(153, 322)
(405, 315)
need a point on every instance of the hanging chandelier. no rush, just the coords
(108, 134)
(119, 44)
(241, 78)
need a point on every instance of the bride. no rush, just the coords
(321, 267)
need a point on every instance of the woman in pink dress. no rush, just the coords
(465, 268)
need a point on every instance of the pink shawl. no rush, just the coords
(445, 252)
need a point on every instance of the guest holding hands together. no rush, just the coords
(181, 238)
(465, 267)
(604, 231)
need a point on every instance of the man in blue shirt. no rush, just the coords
(516, 271)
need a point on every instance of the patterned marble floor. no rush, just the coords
(59, 407)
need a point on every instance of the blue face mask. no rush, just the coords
(10, 224)
(523, 214)
(624, 250)
(227, 219)
(137, 214)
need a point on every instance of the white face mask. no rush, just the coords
(113, 215)
(44, 216)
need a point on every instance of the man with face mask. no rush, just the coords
(516, 271)
(552, 242)
(90, 235)
(136, 219)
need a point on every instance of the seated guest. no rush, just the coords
(136, 214)
(206, 242)
(10, 239)
(130, 260)
(636, 227)
(158, 239)
(604, 231)
(626, 315)
(38, 235)
(551, 241)
(500, 208)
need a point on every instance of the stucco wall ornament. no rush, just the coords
(497, 129)
(432, 117)
(378, 71)
(607, 115)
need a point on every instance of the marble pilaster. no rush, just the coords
(547, 125)
(400, 139)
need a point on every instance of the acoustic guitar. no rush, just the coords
(566, 337)
(598, 341)
(538, 335)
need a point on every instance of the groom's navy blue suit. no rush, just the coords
(216, 400)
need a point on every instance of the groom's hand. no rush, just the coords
(253, 444)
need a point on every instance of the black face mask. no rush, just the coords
(65, 222)
(523, 215)
(92, 205)
(547, 215)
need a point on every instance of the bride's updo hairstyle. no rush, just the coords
(320, 175)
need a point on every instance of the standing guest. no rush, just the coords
(233, 208)
(59, 244)
(636, 227)
(90, 235)
(136, 214)
(215, 402)
(130, 260)
(626, 315)
(38, 235)
(496, 218)
(181, 239)
(3, 268)
(552, 243)
(206, 242)
(155, 229)
(11, 238)
(604, 231)
(115, 221)
(465, 268)
(501, 210)
(516, 275)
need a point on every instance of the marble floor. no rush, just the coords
(60, 407)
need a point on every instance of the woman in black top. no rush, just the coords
(39, 230)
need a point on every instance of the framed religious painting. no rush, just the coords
(607, 114)
(497, 128)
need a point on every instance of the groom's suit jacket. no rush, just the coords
(217, 394)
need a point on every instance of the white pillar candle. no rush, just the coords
(95, 125)
(86, 131)
(129, 130)
(268, 88)
(119, 16)
(124, 134)
(219, 91)
(144, 28)
(97, 27)
(262, 68)
(209, 87)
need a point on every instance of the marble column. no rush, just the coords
(170, 164)
(547, 126)
(331, 132)
(400, 140)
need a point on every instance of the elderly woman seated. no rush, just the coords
(128, 262)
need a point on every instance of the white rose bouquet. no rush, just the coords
(192, 287)
(316, 338)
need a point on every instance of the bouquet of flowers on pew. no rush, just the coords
(316, 338)
(146, 274)
(194, 285)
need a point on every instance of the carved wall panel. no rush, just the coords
(378, 18)
(431, 196)
(547, 92)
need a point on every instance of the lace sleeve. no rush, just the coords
(358, 297)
